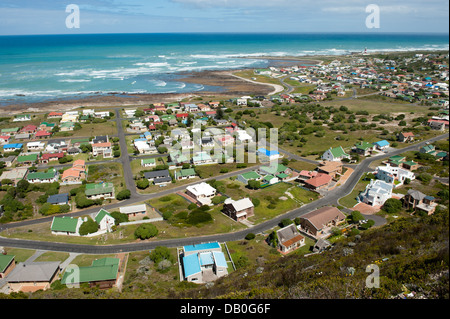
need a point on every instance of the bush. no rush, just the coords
(142, 184)
(198, 217)
(145, 231)
(392, 206)
(123, 194)
(161, 253)
(250, 236)
(88, 227)
(368, 224)
(356, 216)
(119, 217)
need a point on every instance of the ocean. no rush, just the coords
(39, 68)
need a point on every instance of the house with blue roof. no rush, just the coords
(203, 263)
(12, 147)
(381, 145)
(265, 154)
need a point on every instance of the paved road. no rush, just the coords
(331, 199)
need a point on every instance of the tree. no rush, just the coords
(356, 216)
(123, 194)
(119, 217)
(143, 183)
(145, 231)
(161, 253)
(392, 206)
(88, 227)
(253, 184)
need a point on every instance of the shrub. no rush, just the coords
(142, 184)
(198, 217)
(161, 253)
(88, 227)
(250, 236)
(392, 206)
(145, 231)
(123, 194)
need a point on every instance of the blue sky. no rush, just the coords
(149, 16)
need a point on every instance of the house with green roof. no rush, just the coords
(335, 154)
(7, 264)
(275, 170)
(185, 174)
(49, 176)
(27, 159)
(104, 220)
(9, 131)
(363, 148)
(249, 176)
(396, 160)
(428, 149)
(66, 226)
(148, 162)
(100, 190)
(103, 273)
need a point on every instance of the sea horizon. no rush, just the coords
(39, 68)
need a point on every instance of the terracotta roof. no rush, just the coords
(107, 144)
(320, 180)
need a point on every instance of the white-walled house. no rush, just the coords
(335, 154)
(104, 220)
(376, 193)
(390, 174)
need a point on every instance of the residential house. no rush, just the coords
(202, 193)
(10, 131)
(320, 181)
(335, 154)
(418, 201)
(35, 146)
(411, 165)
(289, 239)
(428, 149)
(405, 137)
(104, 220)
(4, 139)
(42, 134)
(382, 145)
(103, 149)
(331, 168)
(320, 221)
(7, 264)
(249, 176)
(51, 157)
(148, 162)
(364, 148)
(27, 160)
(8, 160)
(22, 118)
(266, 155)
(158, 177)
(203, 263)
(50, 176)
(101, 190)
(238, 210)
(58, 199)
(134, 212)
(185, 174)
(393, 175)
(31, 277)
(376, 193)
(12, 147)
(103, 273)
(55, 115)
(30, 129)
